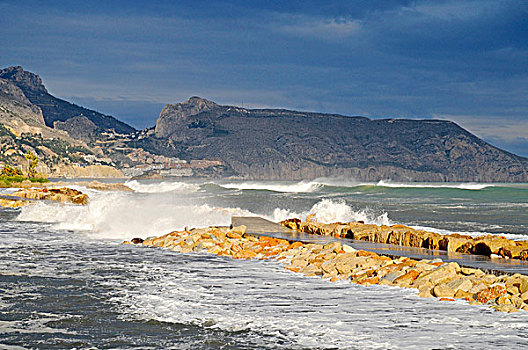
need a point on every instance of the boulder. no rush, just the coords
(463, 284)
(490, 293)
(406, 279)
(443, 291)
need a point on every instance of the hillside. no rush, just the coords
(22, 129)
(78, 121)
(282, 144)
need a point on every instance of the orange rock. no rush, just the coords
(447, 299)
(294, 269)
(233, 235)
(295, 245)
(371, 280)
(409, 262)
(407, 278)
(382, 272)
(490, 293)
(386, 258)
(244, 254)
(437, 263)
(366, 253)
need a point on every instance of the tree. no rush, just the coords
(33, 161)
(10, 171)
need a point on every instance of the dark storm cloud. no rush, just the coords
(462, 60)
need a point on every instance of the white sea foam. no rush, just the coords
(461, 186)
(293, 311)
(121, 216)
(160, 187)
(302, 186)
(117, 215)
(328, 211)
(319, 183)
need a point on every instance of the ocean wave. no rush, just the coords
(461, 186)
(345, 184)
(122, 216)
(329, 211)
(302, 186)
(161, 187)
(116, 215)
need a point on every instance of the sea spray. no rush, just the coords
(460, 186)
(302, 186)
(160, 187)
(328, 211)
(120, 215)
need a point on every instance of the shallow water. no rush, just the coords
(66, 282)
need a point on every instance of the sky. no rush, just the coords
(466, 61)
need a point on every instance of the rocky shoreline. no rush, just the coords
(336, 261)
(494, 246)
(51, 191)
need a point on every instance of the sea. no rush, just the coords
(67, 282)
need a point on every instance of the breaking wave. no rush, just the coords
(329, 211)
(344, 184)
(461, 186)
(161, 187)
(117, 215)
(302, 186)
(121, 216)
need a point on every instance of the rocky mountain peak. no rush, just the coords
(172, 114)
(23, 79)
(200, 103)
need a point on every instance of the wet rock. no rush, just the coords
(468, 271)
(63, 195)
(368, 280)
(442, 274)
(460, 294)
(425, 292)
(505, 308)
(391, 276)
(299, 263)
(491, 245)
(348, 249)
(490, 293)
(406, 279)
(443, 291)
(312, 270)
(460, 284)
(137, 240)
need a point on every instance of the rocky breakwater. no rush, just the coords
(63, 195)
(12, 203)
(335, 261)
(494, 246)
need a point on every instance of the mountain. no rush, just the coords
(23, 129)
(283, 144)
(78, 121)
(253, 144)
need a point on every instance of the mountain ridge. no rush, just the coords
(283, 144)
(266, 143)
(57, 110)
